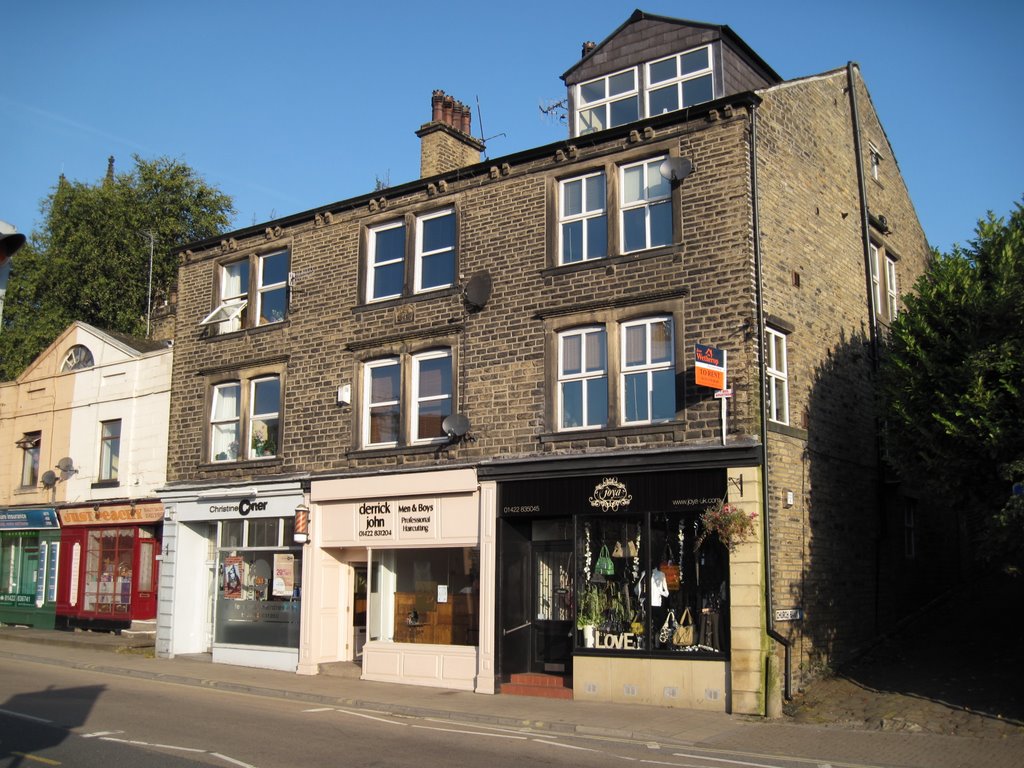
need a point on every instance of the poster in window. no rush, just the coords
(234, 577)
(284, 575)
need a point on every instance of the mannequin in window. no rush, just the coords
(659, 588)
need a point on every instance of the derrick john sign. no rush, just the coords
(709, 366)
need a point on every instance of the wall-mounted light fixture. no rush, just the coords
(345, 394)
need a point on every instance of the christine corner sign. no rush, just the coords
(710, 366)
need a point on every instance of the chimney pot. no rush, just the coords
(588, 46)
(435, 105)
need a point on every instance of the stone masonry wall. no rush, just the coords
(826, 546)
(505, 226)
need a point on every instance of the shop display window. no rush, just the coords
(260, 583)
(109, 558)
(651, 583)
(425, 596)
(19, 561)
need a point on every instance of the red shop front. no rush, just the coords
(108, 563)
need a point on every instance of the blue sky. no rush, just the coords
(289, 106)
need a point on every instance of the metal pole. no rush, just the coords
(149, 288)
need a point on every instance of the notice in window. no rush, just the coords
(234, 577)
(284, 575)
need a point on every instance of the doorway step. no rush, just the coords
(539, 685)
(141, 630)
(350, 669)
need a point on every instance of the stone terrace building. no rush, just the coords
(480, 389)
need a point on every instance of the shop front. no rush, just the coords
(29, 552)
(610, 577)
(108, 563)
(419, 541)
(233, 575)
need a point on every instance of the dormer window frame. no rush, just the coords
(679, 79)
(642, 89)
(608, 100)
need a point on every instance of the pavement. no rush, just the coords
(820, 742)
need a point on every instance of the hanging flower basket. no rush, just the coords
(728, 522)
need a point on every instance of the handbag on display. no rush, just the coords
(618, 551)
(669, 627)
(685, 633)
(604, 564)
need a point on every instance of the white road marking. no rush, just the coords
(24, 716)
(471, 733)
(99, 733)
(231, 760)
(723, 760)
(564, 746)
(320, 709)
(218, 755)
(370, 717)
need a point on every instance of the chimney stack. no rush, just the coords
(588, 46)
(446, 142)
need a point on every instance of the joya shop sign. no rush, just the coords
(610, 495)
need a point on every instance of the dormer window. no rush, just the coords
(666, 84)
(679, 81)
(607, 102)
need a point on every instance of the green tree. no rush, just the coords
(89, 260)
(952, 378)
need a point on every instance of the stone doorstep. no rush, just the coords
(539, 685)
(353, 670)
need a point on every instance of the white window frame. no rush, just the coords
(418, 400)
(875, 159)
(421, 254)
(607, 101)
(226, 315)
(876, 282)
(585, 375)
(78, 358)
(236, 420)
(31, 453)
(368, 405)
(891, 289)
(262, 288)
(648, 367)
(372, 266)
(253, 416)
(646, 202)
(108, 456)
(679, 80)
(777, 376)
(585, 215)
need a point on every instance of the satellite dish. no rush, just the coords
(49, 479)
(478, 289)
(676, 168)
(66, 464)
(455, 426)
